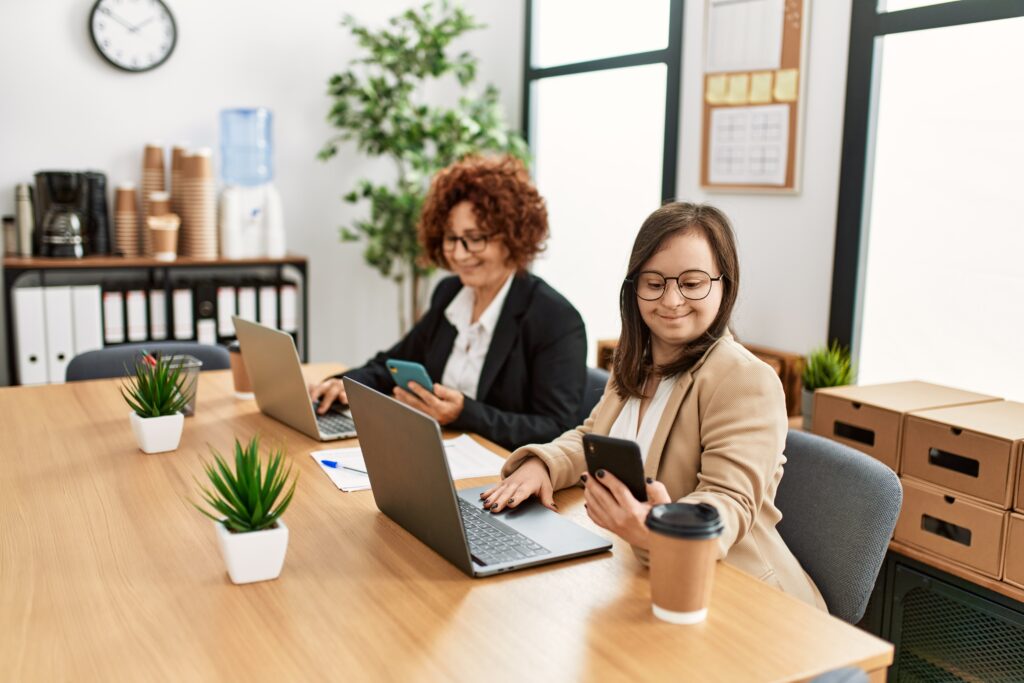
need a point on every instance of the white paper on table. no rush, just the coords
(466, 459)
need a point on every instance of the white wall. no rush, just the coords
(63, 107)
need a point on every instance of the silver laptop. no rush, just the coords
(276, 376)
(411, 483)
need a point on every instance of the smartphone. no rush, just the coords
(621, 457)
(402, 371)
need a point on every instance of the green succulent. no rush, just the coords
(828, 366)
(155, 388)
(247, 498)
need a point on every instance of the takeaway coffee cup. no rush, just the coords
(684, 548)
(240, 376)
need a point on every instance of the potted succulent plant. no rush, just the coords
(828, 366)
(157, 394)
(247, 505)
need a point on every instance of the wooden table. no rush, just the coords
(108, 574)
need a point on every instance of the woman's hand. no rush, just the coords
(530, 479)
(444, 405)
(611, 506)
(327, 392)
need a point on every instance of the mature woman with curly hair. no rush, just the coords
(508, 349)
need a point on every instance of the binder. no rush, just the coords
(60, 342)
(205, 308)
(29, 334)
(181, 302)
(226, 307)
(289, 308)
(268, 305)
(87, 311)
(113, 316)
(247, 302)
(135, 304)
(157, 314)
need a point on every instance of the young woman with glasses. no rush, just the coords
(709, 417)
(506, 352)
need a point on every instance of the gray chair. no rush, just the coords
(848, 674)
(111, 361)
(597, 379)
(839, 508)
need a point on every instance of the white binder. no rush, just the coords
(268, 305)
(225, 309)
(60, 336)
(157, 314)
(206, 331)
(30, 334)
(247, 303)
(135, 303)
(113, 317)
(183, 320)
(87, 310)
(289, 308)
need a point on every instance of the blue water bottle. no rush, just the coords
(246, 146)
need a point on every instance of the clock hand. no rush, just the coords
(145, 22)
(118, 19)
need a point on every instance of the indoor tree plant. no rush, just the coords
(247, 504)
(379, 104)
(157, 394)
(828, 366)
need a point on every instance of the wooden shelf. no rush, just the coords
(40, 263)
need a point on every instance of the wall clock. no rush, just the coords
(133, 35)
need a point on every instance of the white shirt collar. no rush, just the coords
(460, 310)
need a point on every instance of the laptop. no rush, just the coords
(276, 376)
(411, 483)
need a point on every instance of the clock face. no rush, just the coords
(134, 35)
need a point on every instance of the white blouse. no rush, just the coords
(625, 425)
(462, 372)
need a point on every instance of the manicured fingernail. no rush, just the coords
(494, 507)
(584, 479)
(650, 480)
(511, 500)
(600, 474)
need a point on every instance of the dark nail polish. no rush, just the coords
(600, 474)
(584, 479)
(511, 500)
(494, 507)
(650, 480)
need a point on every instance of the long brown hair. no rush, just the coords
(632, 363)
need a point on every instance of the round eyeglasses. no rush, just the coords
(474, 244)
(693, 284)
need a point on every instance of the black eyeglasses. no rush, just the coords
(693, 284)
(474, 244)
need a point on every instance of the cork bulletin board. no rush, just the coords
(754, 65)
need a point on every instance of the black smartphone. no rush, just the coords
(621, 457)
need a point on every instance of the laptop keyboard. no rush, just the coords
(335, 423)
(492, 542)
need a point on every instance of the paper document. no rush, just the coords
(466, 459)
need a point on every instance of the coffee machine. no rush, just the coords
(71, 214)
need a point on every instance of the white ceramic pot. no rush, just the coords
(157, 434)
(255, 555)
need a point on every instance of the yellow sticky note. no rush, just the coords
(761, 87)
(739, 89)
(785, 85)
(716, 89)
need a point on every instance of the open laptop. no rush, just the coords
(411, 483)
(276, 376)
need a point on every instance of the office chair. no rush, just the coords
(111, 361)
(597, 379)
(848, 674)
(839, 508)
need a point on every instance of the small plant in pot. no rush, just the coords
(247, 504)
(157, 394)
(828, 366)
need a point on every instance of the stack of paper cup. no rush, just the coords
(198, 237)
(178, 153)
(126, 220)
(159, 203)
(153, 180)
(164, 234)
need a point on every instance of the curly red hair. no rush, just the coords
(505, 202)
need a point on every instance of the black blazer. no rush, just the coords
(534, 373)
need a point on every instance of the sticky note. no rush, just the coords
(716, 89)
(739, 89)
(785, 85)
(761, 87)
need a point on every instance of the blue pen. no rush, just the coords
(334, 464)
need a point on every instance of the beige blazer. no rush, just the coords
(720, 441)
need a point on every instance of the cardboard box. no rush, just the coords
(870, 418)
(1013, 567)
(956, 528)
(1019, 504)
(972, 449)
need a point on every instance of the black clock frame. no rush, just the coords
(174, 41)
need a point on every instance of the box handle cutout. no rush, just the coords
(858, 434)
(954, 462)
(948, 530)
(856, 406)
(956, 431)
(949, 499)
